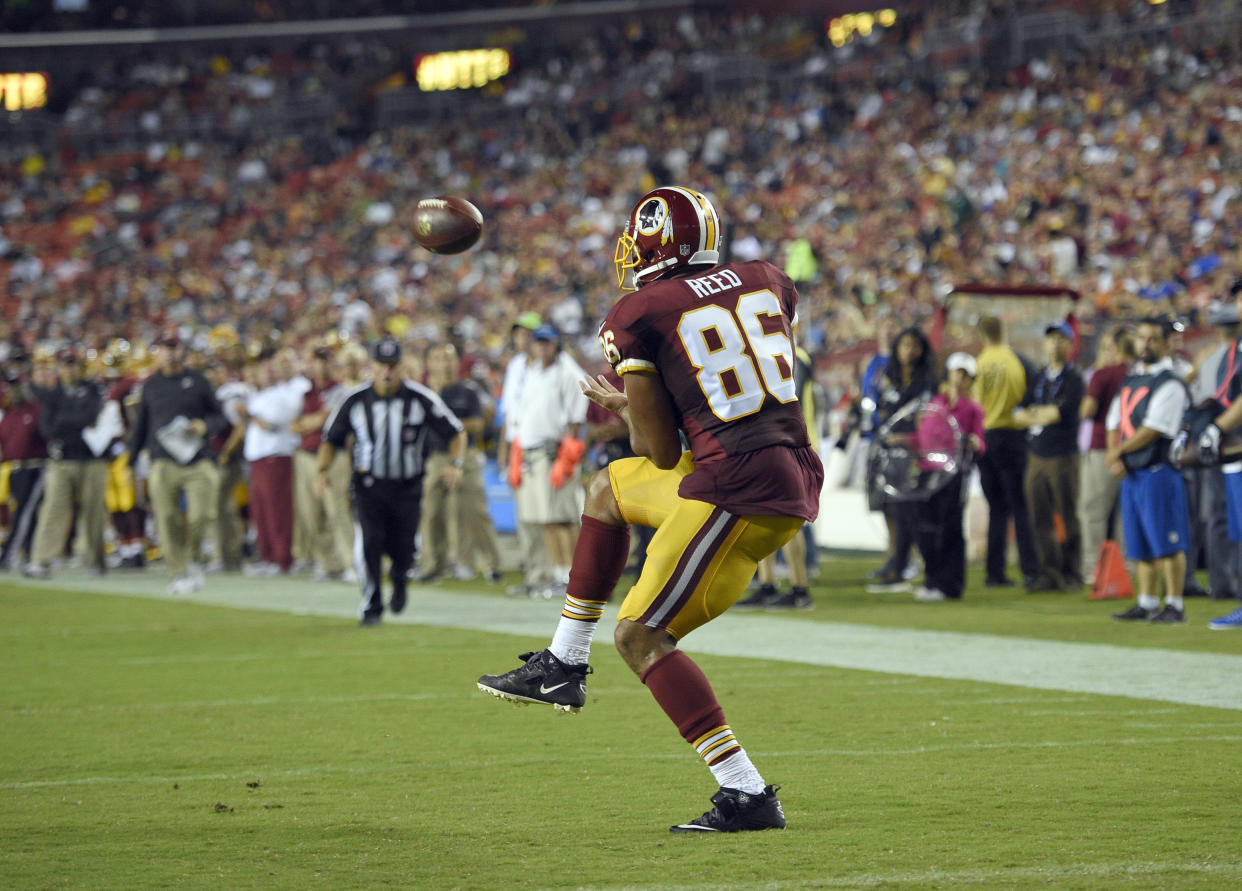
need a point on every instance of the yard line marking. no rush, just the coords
(221, 703)
(257, 656)
(1203, 679)
(938, 877)
(995, 746)
(517, 760)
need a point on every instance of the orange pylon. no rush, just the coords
(1111, 581)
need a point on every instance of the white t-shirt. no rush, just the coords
(277, 406)
(550, 404)
(509, 392)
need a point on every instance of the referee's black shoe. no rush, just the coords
(736, 811)
(543, 678)
(396, 602)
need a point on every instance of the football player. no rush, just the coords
(706, 352)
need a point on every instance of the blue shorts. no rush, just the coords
(1233, 504)
(1154, 513)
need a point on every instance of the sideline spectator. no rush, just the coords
(1142, 421)
(312, 532)
(1210, 446)
(550, 409)
(1213, 379)
(177, 416)
(232, 391)
(1000, 386)
(533, 556)
(1100, 491)
(940, 537)
(24, 450)
(456, 522)
(908, 381)
(125, 506)
(1052, 470)
(76, 473)
(268, 447)
(337, 499)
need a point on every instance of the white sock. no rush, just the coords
(737, 772)
(571, 643)
(1170, 600)
(1149, 601)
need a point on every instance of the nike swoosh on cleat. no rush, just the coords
(546, 690)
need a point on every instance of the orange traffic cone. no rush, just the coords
(1111, 581)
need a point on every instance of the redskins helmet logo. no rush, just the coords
(654, 217)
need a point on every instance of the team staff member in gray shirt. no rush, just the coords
(177, 415)
(75, 473)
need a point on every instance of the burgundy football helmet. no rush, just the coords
(670, 227)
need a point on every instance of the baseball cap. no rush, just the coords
(529, 320)
(961, 362)
(546, 331)
(1062, 328)
(387, 351)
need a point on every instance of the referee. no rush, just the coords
(390, 420)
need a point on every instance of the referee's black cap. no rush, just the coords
(387, 351)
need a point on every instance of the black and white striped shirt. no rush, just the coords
(391, 435)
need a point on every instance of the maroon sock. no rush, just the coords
(599, 559)
(687, 698)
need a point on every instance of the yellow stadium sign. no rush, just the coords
(23, 91)
(843, 29)
(461, 69)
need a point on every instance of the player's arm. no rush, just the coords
(647, 410)
(652, 420)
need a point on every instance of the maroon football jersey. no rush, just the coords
(721, 342)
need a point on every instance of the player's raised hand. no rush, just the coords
(601, 391)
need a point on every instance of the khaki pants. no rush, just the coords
(68, 484)
(456, 523)
(312, 530)
(230, 530)
(1098, 496)
(339, 508)
(1052, 491)
(182, 533)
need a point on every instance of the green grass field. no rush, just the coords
(149, 743)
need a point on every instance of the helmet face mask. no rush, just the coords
(669, 228)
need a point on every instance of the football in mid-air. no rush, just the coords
(447, 224)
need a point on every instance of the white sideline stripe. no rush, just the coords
(222, 703)
(939, 878)
(914, 751)
(1206, 679)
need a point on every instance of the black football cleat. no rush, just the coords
(543, 678)
(1135, 613)
(737, 811)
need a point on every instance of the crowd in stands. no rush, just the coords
(1113, 172)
